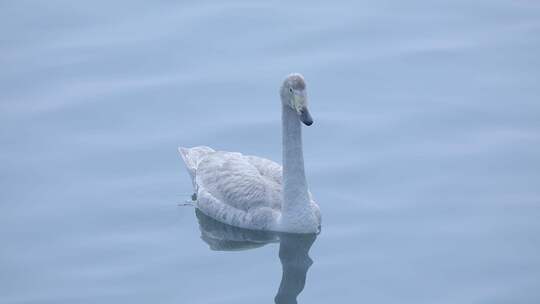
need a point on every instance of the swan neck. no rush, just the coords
(294, 178)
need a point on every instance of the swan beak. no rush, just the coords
(305, 116)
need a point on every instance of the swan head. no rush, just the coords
(293, 95)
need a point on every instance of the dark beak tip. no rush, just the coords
(305, 117)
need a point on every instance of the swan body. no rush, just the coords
(253, 192)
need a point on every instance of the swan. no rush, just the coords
(256, 193)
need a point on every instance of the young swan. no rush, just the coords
(257, 193)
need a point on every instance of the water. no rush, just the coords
(424, 155)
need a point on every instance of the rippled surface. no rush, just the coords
(424, 155)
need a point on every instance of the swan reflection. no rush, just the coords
(293, 251)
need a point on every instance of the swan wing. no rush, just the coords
(233, 190)
(192, 157)
(268, 169)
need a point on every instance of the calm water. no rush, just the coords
(424, 155)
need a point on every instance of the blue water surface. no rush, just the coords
(424, 156)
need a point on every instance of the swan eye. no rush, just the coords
(290, 90)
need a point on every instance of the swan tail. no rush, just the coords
(192, 157)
